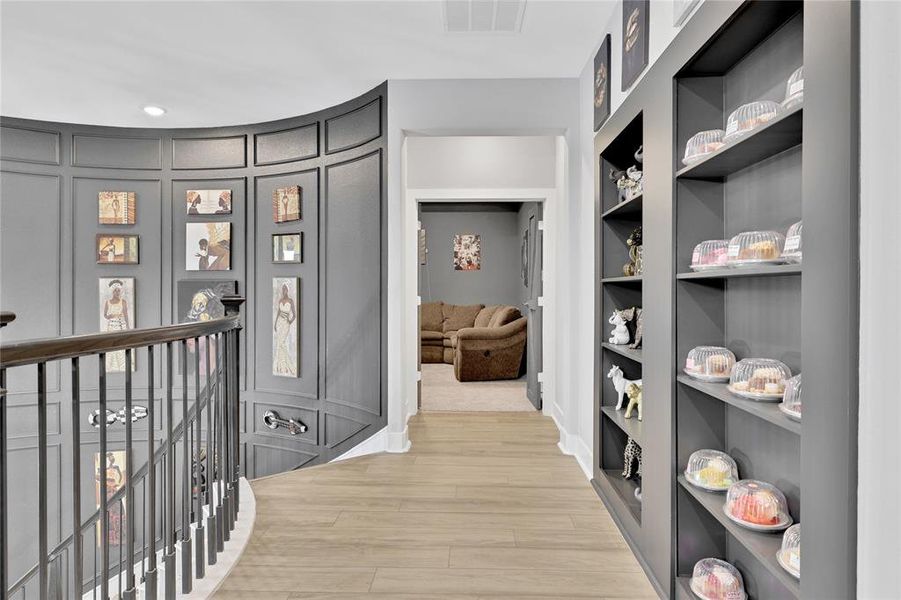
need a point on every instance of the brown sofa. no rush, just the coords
(482, 342)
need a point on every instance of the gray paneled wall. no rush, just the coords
(50, 177)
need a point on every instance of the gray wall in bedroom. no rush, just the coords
(499, 280)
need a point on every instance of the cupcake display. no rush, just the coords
(710, 254)
(756, 248)
(794, 89)
(709, 363)
(701, 144)
(759, 379)
(789, 556)
(791, 400)
(757, 505)
(715, 579)
(791, 252)
(711, 470)
(748, 117)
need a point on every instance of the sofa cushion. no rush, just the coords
(504, 315)
(431, 338)
(431, 316)
(484, 316)
(458, 316)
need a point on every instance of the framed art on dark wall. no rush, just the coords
(635, 40)
(287, 247)
(602, 83)
(117, 249)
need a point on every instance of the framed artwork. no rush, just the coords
(284, 326)
(602, 83)
(423, 249)
(209, 202)
(286, 204)
(201, 300)
(287, 247)
(116, 308)
(116, 208)
(117, 249)
(635, 40)
(208, 246)
(111, 468)
(682, 9)
(524, 267)
(467, 252)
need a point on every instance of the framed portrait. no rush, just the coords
(208, 246)
(116, 308)
(112, 469)
(116, 208)
(115, 249)
(467, 252)
(285, 315)
(524, 266)
(423, 249)
(209, 202)
(287, 248)
(601, 88)
(286, 204)
(201, 299)
(635, 40)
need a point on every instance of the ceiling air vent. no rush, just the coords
(483, 16)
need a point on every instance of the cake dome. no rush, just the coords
(748, 117)
(759, 379)
(791, 252)
(710, 254)
(791, 401)
(701, 144)
(757, 505)
(794, 89)
(709, 363)
(789, 556)
(715, 579)
(756, 248)
(711, 470)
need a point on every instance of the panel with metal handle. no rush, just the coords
(272, 420)
(137, 413)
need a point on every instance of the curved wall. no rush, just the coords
(51, 176)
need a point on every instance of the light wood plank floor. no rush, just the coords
(484, 506)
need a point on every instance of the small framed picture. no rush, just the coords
(208, 246)
(209, 202)
(114, 249)
(287, 247)
(116, 208)
(635, 40)
(286, 204)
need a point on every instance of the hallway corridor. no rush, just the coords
(483, 506)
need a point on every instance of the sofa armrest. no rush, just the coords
(492, 333)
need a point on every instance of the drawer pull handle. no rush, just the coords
(273, 421)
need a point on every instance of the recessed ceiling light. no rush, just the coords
(154, 111)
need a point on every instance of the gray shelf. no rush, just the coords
(625, 491)
(631, 354)
(738, 272)
(634, 280)
(778, 135)
(683, 589)
(767, 411)
(763, 546)
(632, 427)
(629, 210)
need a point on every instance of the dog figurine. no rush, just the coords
(620, 334)
(633, 390)
(620, 384)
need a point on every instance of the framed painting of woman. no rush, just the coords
(285, 314)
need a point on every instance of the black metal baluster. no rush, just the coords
(220, 431)
(236, 407)
(4, 501)
(169, 558)
(42, 482)
(186, 571)
(228, 435)
(150, 574)
(120, 563)
(104, 501)
(94, 536)
(200, 563)
(208, 488)
(77, 549)
(129, 515)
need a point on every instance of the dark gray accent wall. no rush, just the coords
(499, 280)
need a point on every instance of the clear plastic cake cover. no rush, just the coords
(789, 556)
(756, 248)
(701, 144)
(791, 401)
(757, 505)
(710, 254)
(794, 89)
(791, 252)
(748, 117)
(759, 378)
(715, 579)
(709, 363)
(711, 470)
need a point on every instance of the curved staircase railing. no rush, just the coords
(175, 512)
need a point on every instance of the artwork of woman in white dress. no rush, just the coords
(284, 325)
(116, 314)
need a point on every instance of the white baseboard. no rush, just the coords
(378, 442)
(570, 444)
(398, 442)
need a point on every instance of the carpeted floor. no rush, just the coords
(442, 392)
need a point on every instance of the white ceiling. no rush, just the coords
(227, 63)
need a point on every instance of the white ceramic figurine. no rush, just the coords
(620, 334)
(620, 384)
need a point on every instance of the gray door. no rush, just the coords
(534, 311)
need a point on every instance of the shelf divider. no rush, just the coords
(631, 427)
(738, 272)
(630, 209)
(767, 411)
(633, 354)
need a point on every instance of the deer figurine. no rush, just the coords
(620, 384)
